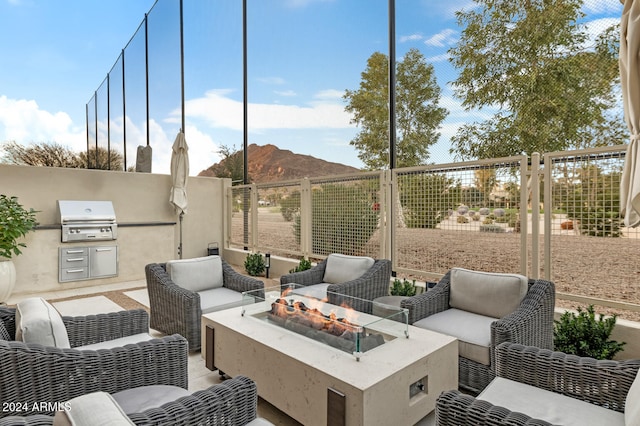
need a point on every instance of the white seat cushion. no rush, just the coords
(117, 343)
(218, 299)
(197, 274)
(39, 322)
(341, 268)
(485, 293)
(549, 406)
(137, 400)
(93, 409)
(317, 291)
(473, 332)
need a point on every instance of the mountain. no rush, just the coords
(268, 163)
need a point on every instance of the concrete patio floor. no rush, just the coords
(91, 300)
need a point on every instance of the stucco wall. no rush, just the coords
(149, 228)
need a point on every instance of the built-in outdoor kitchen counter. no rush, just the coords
(88, 234)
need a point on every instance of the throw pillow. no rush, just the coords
(484, 293)
(94, 409)
(39, 322)
(341, 268)
(197, 274)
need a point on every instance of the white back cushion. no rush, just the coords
(632, 404)
(39, 322)
(197, 274)
(342, 268)
(491, 294)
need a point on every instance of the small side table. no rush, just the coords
(379, 303)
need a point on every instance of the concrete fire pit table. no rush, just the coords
(317, 384)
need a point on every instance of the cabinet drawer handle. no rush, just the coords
(74, 271)
(103, 249)
(74, 251)
(75, 259)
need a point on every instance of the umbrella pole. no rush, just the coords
(180, 246)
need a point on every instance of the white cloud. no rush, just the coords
(438, 58)
(444, 38)
(412, 37)
(218, 110)
(287, 93)
(23, 121)
(330, 94)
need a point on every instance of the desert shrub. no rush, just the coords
(597, 222)
(303, 265)
(290, 206)
(403, 288)
(484, 211)
(462, 219)
(254, 264)
(487, 221)
(584, 335)
(343, 219)
(431, 207)
(491, 228)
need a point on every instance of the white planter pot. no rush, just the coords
(7, 279)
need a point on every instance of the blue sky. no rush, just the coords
(303, 55)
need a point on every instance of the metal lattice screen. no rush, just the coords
(586, 238)
(466, 215)
(346, 214)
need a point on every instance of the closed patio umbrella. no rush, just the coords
(630, 80)
(179, 175)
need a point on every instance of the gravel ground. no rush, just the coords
(603, 268)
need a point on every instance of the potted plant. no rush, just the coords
(254, 264)
(15, 222)
(403, 288)
(584, 335)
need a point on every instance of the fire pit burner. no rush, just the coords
(337, 332)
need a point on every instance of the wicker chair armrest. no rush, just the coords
(600, 382)
(308, 277)
(90, 329)
(454, 408)
(532, 323)
(36, 420)
(232, 402)
(173, 308)
(234, 280)
(430, 302)
(8, 316)
(373, 283)
(35, 374)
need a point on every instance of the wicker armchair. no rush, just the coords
(530, 324)
(588, 382)
(177, 310)
(32, 373)
(372, 284)
(233, 402)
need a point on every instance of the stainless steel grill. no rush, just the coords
(87, 220)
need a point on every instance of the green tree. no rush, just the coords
(531, 58)
(231, 166)
(417, 112)
(46, 154)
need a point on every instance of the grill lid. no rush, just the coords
(76, 211)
